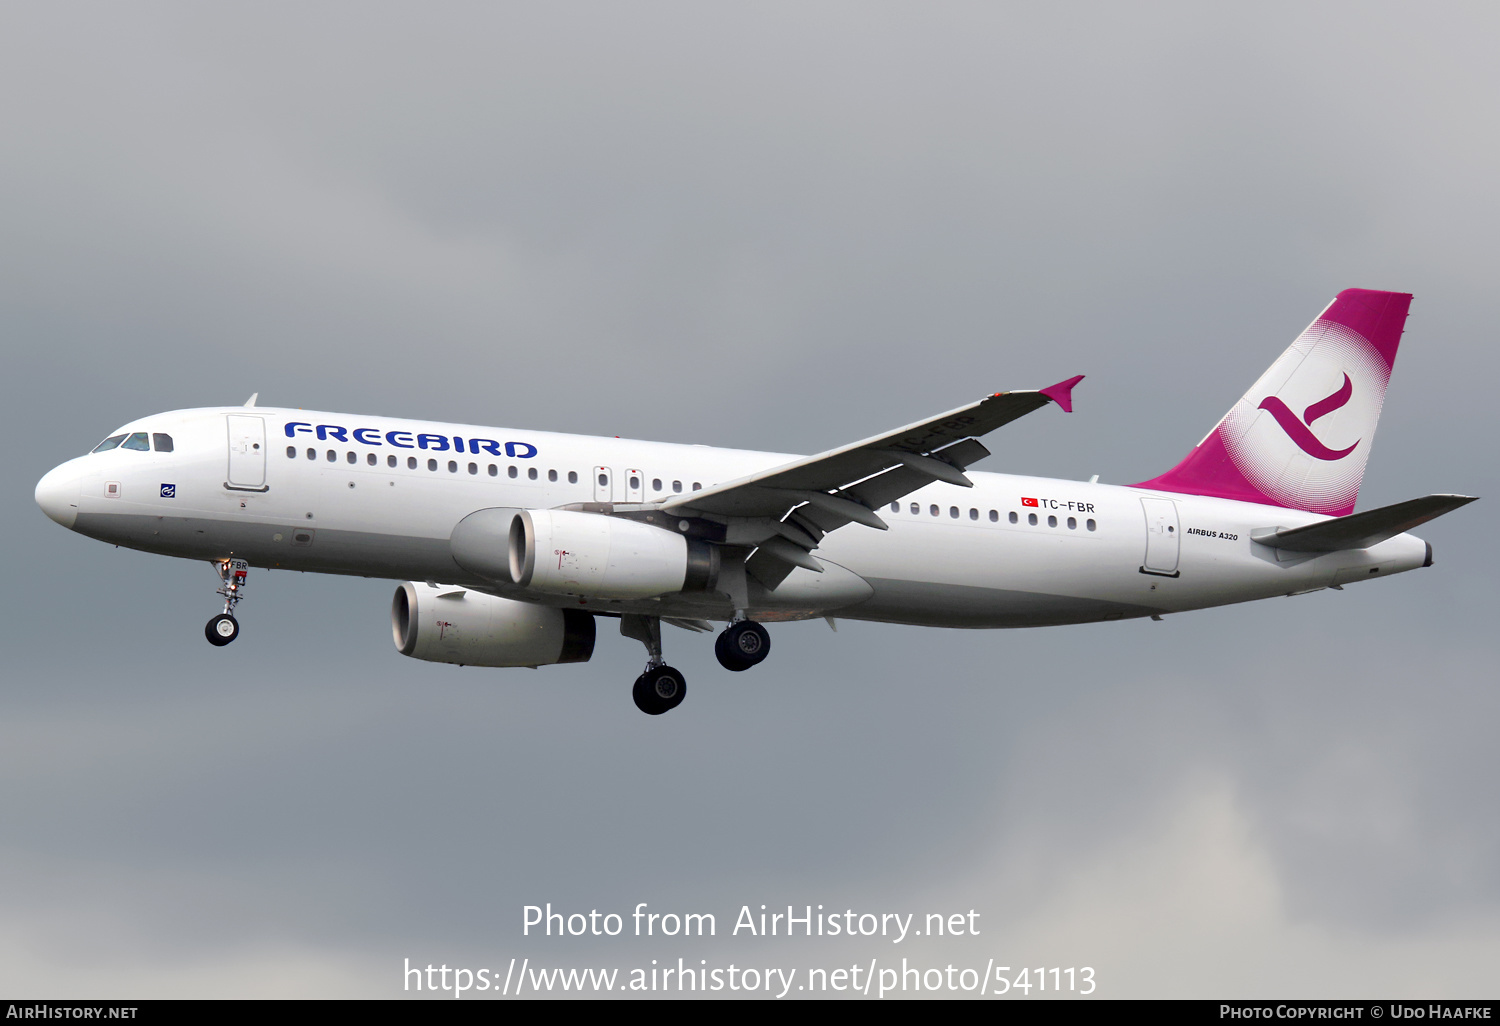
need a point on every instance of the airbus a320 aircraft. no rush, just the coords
(513, 544)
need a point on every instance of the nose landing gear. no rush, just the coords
(742, 645)
(224, 628)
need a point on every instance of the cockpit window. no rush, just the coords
(137, 441)
(109, 443)
(163, 442)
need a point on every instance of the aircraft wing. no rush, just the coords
(805, 499)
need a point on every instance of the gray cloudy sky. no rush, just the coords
(778, 226)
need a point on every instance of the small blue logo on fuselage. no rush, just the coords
(169, 491)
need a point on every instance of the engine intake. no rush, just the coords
(470, 628)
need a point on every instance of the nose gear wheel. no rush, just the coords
(221, 630)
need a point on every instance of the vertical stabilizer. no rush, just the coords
(1300, 437)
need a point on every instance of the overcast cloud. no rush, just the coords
(774, 226)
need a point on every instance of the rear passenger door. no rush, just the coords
(1162, 543)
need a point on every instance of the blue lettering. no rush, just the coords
(405, 440)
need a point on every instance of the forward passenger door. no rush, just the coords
(247, 452)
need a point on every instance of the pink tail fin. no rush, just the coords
(1300, 437)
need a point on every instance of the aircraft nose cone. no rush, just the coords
(57, 494)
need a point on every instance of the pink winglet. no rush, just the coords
(1062, 393)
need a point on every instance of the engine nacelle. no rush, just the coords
(563, 552)
(452, 625)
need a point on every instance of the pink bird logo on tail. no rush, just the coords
(1298, 430)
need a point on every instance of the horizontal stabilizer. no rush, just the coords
(1361, 530)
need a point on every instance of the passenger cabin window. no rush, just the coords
(453, 466)
(531, 473)
(572, 477)
(112, 442)
(411, 463)
(163, 442)
(656, 484)
(676, 486)
(390, 461)
(551, 475)
(494, 470)
(1031, 519)
(291, 452)
(973, 514)
(432, 464)
(915, 509)
(333, 457)
(994, 516)
(895, 507)
(370, 459)
(511, 472)
(697, 487)
(933, 510)
(473, 468)
(137, 441)
(312, 454)
(352, 458)
(1013, 518)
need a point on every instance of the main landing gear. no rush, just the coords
(742, 645)
(661, 687)
(224, 628)
(658, 690)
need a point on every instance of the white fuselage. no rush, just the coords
(380, 497)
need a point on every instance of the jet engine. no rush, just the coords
(470, 628)
(592, 555)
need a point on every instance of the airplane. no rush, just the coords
(511, 545)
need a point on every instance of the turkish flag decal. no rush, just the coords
(1028, 502)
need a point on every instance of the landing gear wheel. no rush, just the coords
(656, 691)
(221, 630)
(742, 645)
